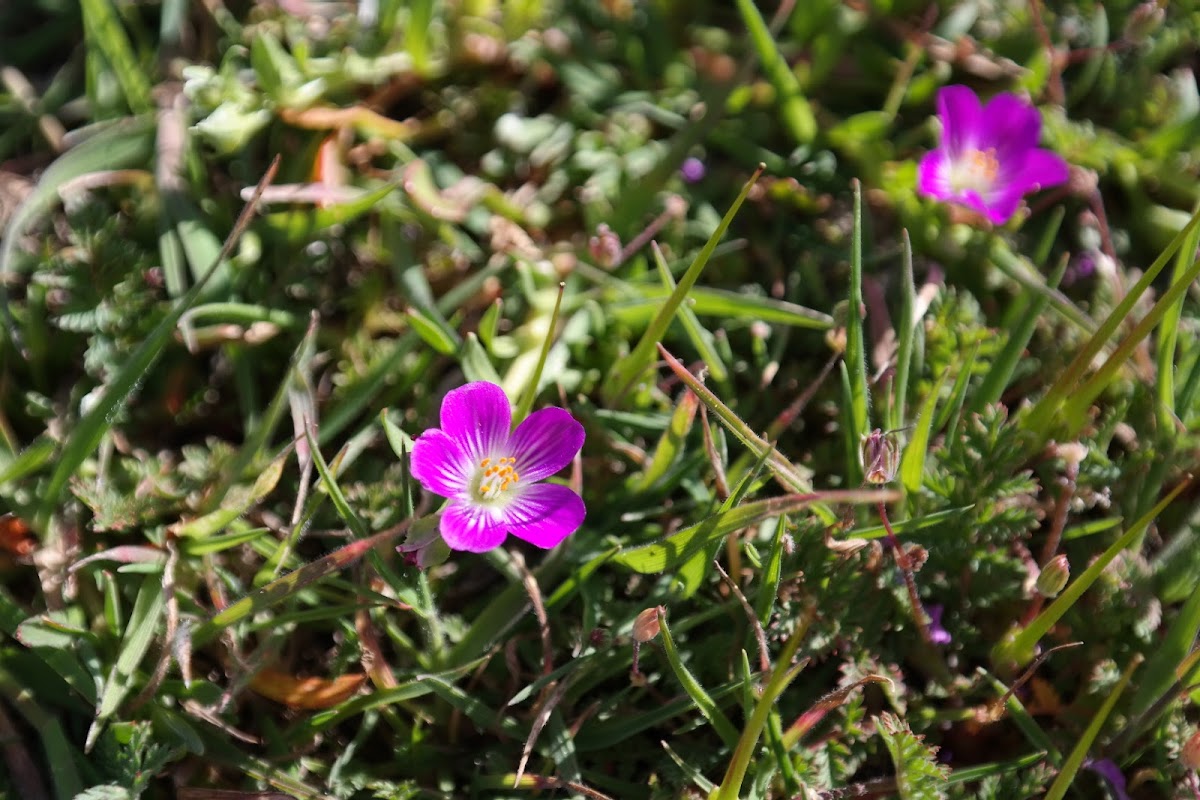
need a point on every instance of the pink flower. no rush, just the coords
(989, 158)
(490, 472)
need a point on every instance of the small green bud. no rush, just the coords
(880, 457)
(1054, 576)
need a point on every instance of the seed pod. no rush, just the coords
(646, 626)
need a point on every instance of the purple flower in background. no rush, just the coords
(692, 170)
(490, 472)
(937, 634)
(1108, 769)
(989, 158)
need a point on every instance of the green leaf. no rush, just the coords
(674, 550)
(670, 444)
(918, 774)
(139, 633)
(235, 504)
(912, 463)
(301, 225)
(705, 301)
(443, 340)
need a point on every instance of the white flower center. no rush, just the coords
(976, 171)
(494, 478)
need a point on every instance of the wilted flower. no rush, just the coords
(989, 158)
(490, 472)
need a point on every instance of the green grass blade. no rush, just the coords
(1000, 373)
(139, 633)
(103, 29)
(1074, 761)
(794, 109)
(1042, 416)
(1078, 401)
(702, 700)
(1170, 652)
(701, 339)
(531, 389)
(705, 301)
(905, 336)
(856, 356)
(912, 463)
(629, 369)
(785, 472)
(670, 444)
(679, 547)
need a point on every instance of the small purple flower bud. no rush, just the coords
(1108, 769)
(1054, 576)
(937, 634)
(880, 457)
(693, 170)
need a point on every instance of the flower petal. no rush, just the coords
(478, 416)
(472, 528)
(439, 464)
(1001, 203)
(1010, 125)
(545, 514)
(933, 176)
(962, 119)
(1038, 170)
(545, 443)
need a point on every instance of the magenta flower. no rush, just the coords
(989, 158)
(490, 472)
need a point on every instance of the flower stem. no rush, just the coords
(909, 581)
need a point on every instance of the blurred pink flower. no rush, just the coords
(989, 158)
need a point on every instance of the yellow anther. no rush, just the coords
(504, 486)
(487, 487)
(985, 163)
(485, 462)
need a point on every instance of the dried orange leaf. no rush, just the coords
(306, 693)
